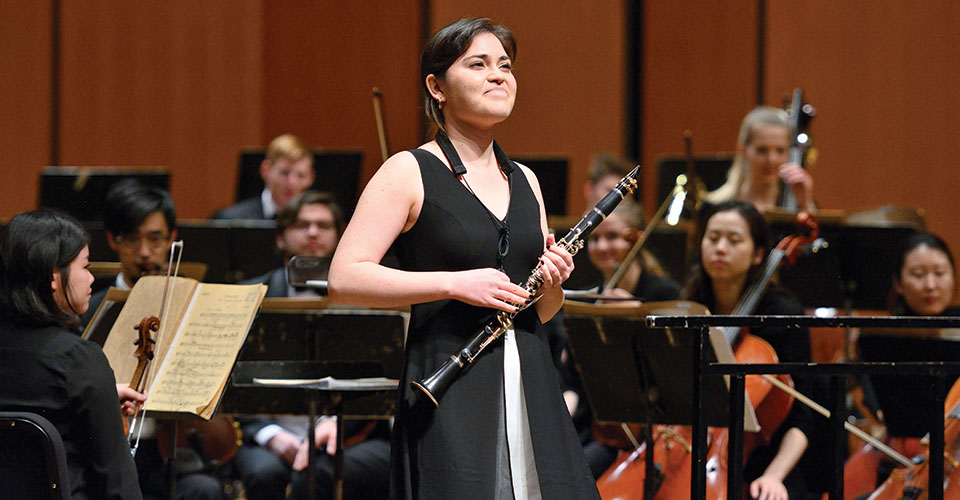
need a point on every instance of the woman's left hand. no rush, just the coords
(767, 487)
(556, 264)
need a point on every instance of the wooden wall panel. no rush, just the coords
(699, 70)
(321, 62)
(157, 83)
(25, 53)
(882, 76)
(570, 77)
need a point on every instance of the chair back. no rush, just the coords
(33, 463)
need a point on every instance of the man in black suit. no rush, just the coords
(287, 171)
(275, 450)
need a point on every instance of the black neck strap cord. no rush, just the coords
(506, 166)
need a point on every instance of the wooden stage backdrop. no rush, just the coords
(188, 84)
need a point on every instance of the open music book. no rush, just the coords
(203, 328)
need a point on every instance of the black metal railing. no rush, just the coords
(936, 371)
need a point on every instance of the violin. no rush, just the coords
(144, 354)
(672, 450)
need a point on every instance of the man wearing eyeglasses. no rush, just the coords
(141, 225)
(309, 225)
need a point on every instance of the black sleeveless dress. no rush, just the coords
(455, 451)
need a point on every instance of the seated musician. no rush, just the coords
(140, 222)
(46, 367)
(609, 243)
(924, 281)
(605, 172)
(141, 226)
(287, 171)
(733, 243)
(763, 148)
(275, 447)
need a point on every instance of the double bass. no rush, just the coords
(799, 115)
(672, 449)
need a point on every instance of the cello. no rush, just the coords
(672, 449)
(912, 483)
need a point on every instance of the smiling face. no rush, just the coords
(608, 244)
(77, 286)
(479, 87)
(926, 281)
(768, 148)
(727, 250)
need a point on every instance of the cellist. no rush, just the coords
(923, 284)
(734, 239)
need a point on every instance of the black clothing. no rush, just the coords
(452, 451)
(906, 401)
(275, 280)
(653, 288)
(793, 345)
(250, 208)
(67, 380)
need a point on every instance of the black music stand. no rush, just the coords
(901, 398)
(312, 339)
(853, 272)
(654, 368)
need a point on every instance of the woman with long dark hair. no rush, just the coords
(469, 224)
(734, 241)
(46, 367)
(923, 283)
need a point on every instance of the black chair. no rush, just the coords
(33, 463)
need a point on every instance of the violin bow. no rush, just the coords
(381, 129)
(176, 252)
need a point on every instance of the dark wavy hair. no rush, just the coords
(446, 46)
(33, 245)
(897, 305)
(699, 287)
(129, 203)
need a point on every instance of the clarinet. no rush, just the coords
(433, 387)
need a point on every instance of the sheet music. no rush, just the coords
(144, 300)
(195, 371)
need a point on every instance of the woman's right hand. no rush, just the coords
(129, 398)
(487, 287)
